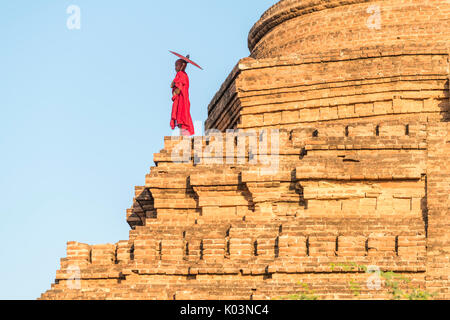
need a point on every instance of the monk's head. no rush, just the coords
(180, 65)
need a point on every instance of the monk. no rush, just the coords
(181, 108)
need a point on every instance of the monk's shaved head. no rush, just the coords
(180, 65)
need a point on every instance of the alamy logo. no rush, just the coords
(374, 21)
(374, 281)
(74, 20)
(233, 147)
(74, 277)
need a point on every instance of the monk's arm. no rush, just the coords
(177, 87)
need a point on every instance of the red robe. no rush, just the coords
(181, 108)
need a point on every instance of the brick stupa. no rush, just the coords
(359, 91)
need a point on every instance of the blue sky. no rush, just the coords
(83, 111)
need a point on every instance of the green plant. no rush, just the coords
(305, 294)
(355, 287)
(392, 281)
(398, 286)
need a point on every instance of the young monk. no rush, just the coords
(181, 108)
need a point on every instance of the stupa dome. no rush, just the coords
(326, 26)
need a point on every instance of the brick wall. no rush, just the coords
(226, 231)
(317, 27)
(286, 92)
(438, 222)
(361, 178)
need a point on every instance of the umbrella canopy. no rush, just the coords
(186, 59)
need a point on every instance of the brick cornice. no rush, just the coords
(289, 9)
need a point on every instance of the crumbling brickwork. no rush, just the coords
(341, 158)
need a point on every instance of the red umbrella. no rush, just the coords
(186, 59)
